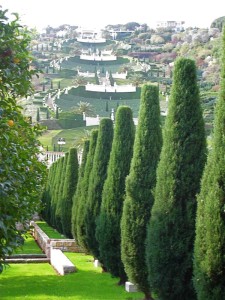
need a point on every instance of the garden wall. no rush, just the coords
(68, 245)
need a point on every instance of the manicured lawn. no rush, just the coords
(50, 137)
(40, 282)
(46, 137)
(29, 247)
(51, 232)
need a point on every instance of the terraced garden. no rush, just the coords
(39, 281)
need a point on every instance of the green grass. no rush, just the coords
(46, 137)
(30, 246)
(51, 232)
(50, 137)
(40, 282)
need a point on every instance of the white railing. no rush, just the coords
(110, 89)
(85, 74)
(91, 40)
(98, 58)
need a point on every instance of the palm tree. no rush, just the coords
(84, 108)
(79, 80)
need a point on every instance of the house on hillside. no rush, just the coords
(174, 25)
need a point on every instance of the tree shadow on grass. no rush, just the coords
(42, 283)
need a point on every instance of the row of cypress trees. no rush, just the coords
(138, 192)
(118, 183)
(58, 194)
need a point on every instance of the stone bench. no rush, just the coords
(61, 263)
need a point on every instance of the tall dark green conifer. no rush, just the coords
(81, 220)
(76, 197)
(49, 185)
(53, 190)
(57, 113)
(139, 189)
(209, 249)
(111, 79)
(69, 189)
(172, 224)
(38, 115)
(62, 168)
(58, 211)
(97, 178)
(108, 225)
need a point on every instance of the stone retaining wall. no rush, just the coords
(68, 245)
(41, 238)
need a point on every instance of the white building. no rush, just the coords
(175, 25)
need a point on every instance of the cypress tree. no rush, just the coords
(38, 115)
(46, 199)
(81, 220)
(108, 232)
(54, 186)
(62, 166)
(139, 189)
(58, 211)
(96, 78)
(111, 79)
(97, 178)
(172, 224)
(209, 249)
(77, 194)
(47, 114)
(57, 113)
(47, 203)
(69, 188)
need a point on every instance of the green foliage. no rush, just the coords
(172, 225)
(108, 224)
(54, 187)
(77, 195)
(111, 79)
(96, 182)
(82, 200)
(38, 115)
(84, 107)
(22, 173)
(57, 113)
(69, 189)
(139, 188)
(61, 175)
(96, 78)
(209, 247)
(71, 121)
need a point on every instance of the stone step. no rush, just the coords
(26, 260)
(26, 256)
